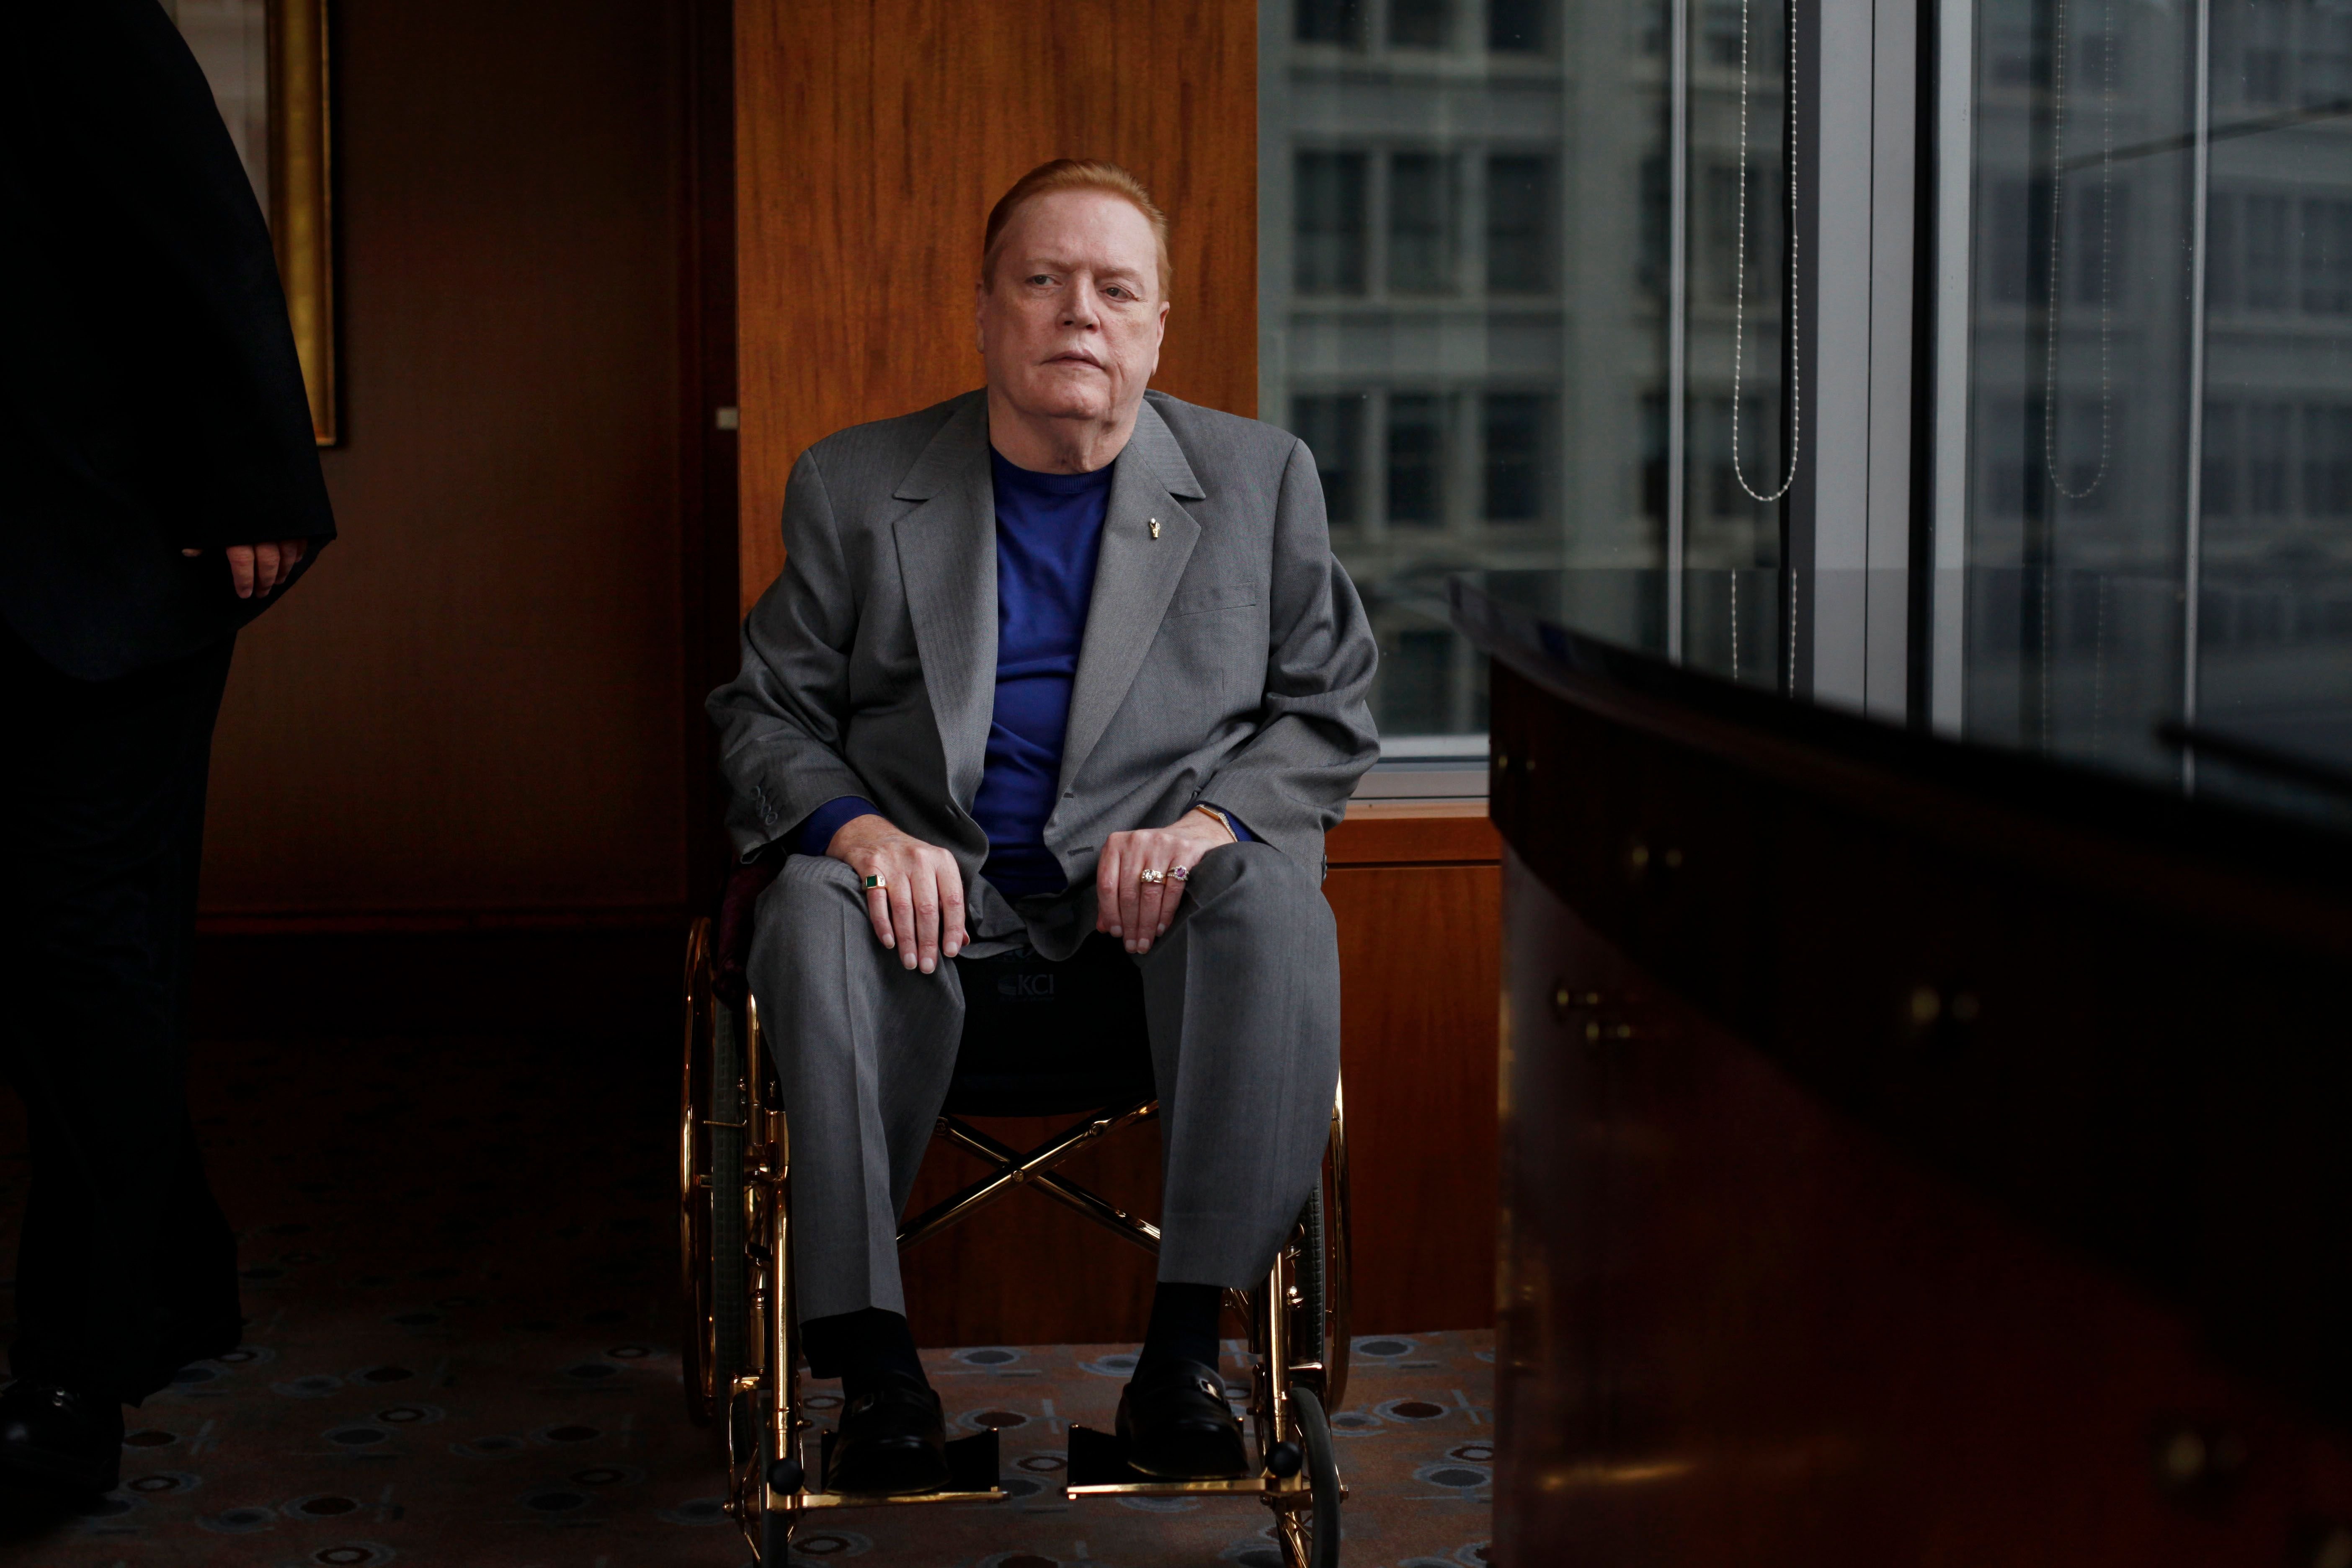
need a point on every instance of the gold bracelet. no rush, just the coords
(1222, 820)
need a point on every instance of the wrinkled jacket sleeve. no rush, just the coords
(780, 719)
(1290, 780)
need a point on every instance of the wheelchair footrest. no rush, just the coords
(972, 1466)
(1099, 1460)
(1099, 1468)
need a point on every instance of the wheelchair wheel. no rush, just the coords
(1310, 1535)
(710, 1187)
(1335, 1276)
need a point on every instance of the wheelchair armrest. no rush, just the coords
(731, 943)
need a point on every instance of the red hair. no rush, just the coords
(1074, 175)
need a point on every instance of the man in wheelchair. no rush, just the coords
(1060, 668)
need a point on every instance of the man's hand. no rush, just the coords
(918, 908)
(1138, 912)
(258, 568)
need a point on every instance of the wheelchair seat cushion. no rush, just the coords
(1051, 1039)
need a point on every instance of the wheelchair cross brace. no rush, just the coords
(1035, 1169)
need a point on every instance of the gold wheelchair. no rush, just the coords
(741, 1339)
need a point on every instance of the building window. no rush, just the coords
(1421, 224)
(1512, 426)
(2100, 241)
(1331, 425)
(1331, 22)
(2326, 256)
(1653, 455)
(1420, 24)
(1416, 459)
(1655, 204)
(2327, 460)
(1515, 26)
(2220, 482)
(2266, 253)
(1416, 667)
(1330, 205)
(1720, 32)
(2268, 426)
(2017, 267)
(1518, 224)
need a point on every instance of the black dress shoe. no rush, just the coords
(1177, 1426)
(59, 1440)
(892, 1441)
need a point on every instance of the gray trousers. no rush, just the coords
(1242, 1001)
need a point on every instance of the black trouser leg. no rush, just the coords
(127, 1268)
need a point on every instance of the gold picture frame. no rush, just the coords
(301, 196)
(267, 63)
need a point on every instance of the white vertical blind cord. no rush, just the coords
(1740, 272)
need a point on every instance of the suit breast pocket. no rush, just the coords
(1215, 596)
(1208, 658)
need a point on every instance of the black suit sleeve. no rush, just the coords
(150, 395)
(170, 371)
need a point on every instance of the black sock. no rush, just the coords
(861, 1348)
(1183, 1325)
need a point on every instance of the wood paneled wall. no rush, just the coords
(476, 707)
(872, 140)
(1418, 899)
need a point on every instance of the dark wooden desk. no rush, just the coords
(1912, 1154)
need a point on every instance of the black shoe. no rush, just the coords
(62, 1440)
(892, 1441)
(1176, 1423)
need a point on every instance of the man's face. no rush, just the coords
(1071, 319)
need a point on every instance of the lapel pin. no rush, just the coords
(1155, 528)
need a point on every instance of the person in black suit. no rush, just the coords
(159, 485)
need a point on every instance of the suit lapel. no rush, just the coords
(1134, 579)
(947, 566)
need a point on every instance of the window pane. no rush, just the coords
(1416, 459)
(1330, 22)
(1330, 232)
(1330, 424)
(1513, 430)
(1444, 191)
(1518, 224)
(1420, 24)
(1421, 225)
(1516, 25)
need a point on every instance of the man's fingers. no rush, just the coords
(240, 569)
(267, 560)
(1107, 884)
(192, 551)
(878, 904)
(1131, 893)
(902, 919)
(952, 939)
(926, 916)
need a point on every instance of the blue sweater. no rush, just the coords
(1048, 539)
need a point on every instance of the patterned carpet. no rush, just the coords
(460, 1275)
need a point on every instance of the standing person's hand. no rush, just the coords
(914, 894)
(1136, 911)
(258, 568)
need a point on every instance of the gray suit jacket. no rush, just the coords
(1225, 659)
